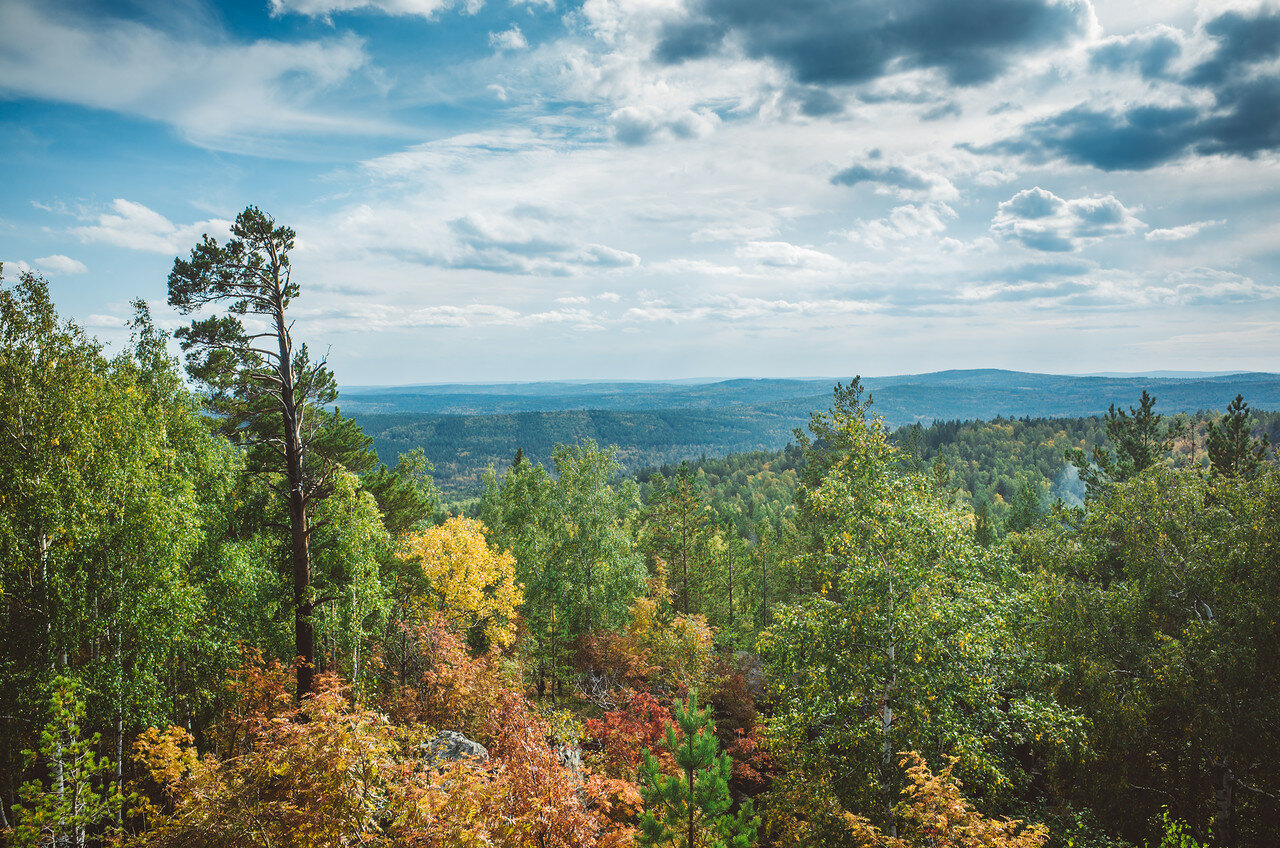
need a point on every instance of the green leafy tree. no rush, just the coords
(1160, 605)
(109, 490)
(692, 807)
(575, 555)
(984, 531)
(677, 526)
(81, 796)
(267, 393)
(1233, 452)
(913, 641)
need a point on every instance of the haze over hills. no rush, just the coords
(464, 428)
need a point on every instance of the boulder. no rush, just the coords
(449, 745)
(570, 757)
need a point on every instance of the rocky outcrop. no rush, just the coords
(449, 745)
(570, 756)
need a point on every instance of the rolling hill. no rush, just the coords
(464, 428)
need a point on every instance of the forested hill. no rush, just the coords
(465, 428)
(901, 399)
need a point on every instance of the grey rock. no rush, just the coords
(449, 745)
(753, 672)
(570, 757)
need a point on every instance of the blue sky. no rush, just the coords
(536, 189)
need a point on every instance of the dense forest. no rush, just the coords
(726, 418)
(224, 622)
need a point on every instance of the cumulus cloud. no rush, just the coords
(137, 227)
(1228, 102)
(911, 221)
(1041, 220)
(509, 39)
(522, 241)
(781, 254)
(1150, 52)
(950, 109)
(636, 125)
(1208, 286)
(59, 264)
(855, 41)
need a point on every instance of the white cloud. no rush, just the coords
(59, 264)
(1199, 286)
(1184, 231)
(509, 39)
(325, 8)
(910, 221)
(736, 308)
(218, 93)
(781, 254)
(1040, 220)
(137, 227)
(901, 180)
(643, 124)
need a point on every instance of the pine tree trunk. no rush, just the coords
(299, 529)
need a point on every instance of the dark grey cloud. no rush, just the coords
(829, 42)
(1139, 138)
(1242, 40)
(816, 102)
(1239, 75)
(692, 40)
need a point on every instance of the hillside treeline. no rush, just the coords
(204, 641)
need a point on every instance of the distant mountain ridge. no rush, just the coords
(504, 398)
(464, 428)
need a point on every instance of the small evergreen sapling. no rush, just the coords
(691, 808)
(82, 798)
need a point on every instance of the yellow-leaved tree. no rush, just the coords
(470, 583)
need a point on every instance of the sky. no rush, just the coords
(544, 189)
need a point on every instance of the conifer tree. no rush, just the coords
(1138, 441)
(82, 794)
(1233, 452)
(1025, 509)
(691, 808)
(264, 388)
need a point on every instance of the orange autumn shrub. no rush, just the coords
(438, 682)
(295, 775)
(935, 814)
(541, 805)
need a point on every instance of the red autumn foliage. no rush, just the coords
(625, 733)
(540, 806)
